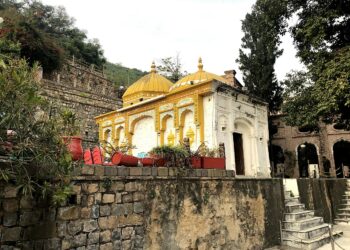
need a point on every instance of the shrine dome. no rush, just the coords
(196, 78)
(147, 87)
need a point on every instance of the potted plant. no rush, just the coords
(211, 158)
(170, 156)
(119, 154)
(71, 137)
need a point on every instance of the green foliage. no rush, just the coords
(47, 34)
(29, 138)
(61, 194)
(69, 123)
(171, 68)
(262, 29)
(323, 42)
(174, 155)
(121, 75)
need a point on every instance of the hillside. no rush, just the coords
(122, 76)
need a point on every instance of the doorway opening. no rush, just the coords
(239, 154)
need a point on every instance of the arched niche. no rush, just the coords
(307, 154)
(144, 135)
(341, 153)
(120, 136)
(167, 130)
(243, 145)
(187, 126)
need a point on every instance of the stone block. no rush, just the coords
(85, 213)
(130, 186)
(118, 186)
(74, 227)
(10, 205)
(105, 210)
(108, 198)
(198, 172)
(138, 196)
(107, 246)
(77, 171)
(138, 207)
(93, 238)
(81, 248)
(127, 198)
(90, 188)
(118, 209)
(93, 247)
(118, 198)
(95, 211)
(204, 172)
(89, 226)
(11, 234)
(66, 243)
(49, 214)
(10, 192)
(146, 171)
(136, 171)
(230, 173)
(111, 171)
(79, 240)
(61, 229)
(154, 171)
(108, 222)
(90, 200)
(117, 244)
(127, 232)
(123, 171)
(52, 244)
(126, 244)
(68, 213)
(139, 231)
(99, 170)
(88, 170)
(27, 202)
(77, 189)
(98, 198)
(129, 208)
(173, 171)
(163, 171)
(116, 234)
(9, 219)
(29, 218)
(105, 236)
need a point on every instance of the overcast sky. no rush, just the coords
(135, 32)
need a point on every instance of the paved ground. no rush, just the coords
(343, 243)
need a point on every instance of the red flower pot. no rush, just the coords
(213, 162)
(147, 161)
(74, 146)
(196, 162)
(127, 160)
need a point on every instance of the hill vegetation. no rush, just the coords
(122, 76)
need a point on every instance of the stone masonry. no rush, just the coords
(86, 91)
(146, 208)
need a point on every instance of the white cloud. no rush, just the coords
(135, 32)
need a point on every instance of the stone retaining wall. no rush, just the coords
(147, 208)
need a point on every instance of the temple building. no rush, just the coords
(202, 106)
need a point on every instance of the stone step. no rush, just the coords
(308, 233)
(343, 216)
(303, 224)
(290, 208)
(311, 243)
(344, 210)
(342, 221)
(295, 216)
(347, 192)
(346, 196)
(292, 200)
(346, 201)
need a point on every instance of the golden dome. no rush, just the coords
(148, 86)
(195, 78)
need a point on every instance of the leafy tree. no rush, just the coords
(171, 68)
(321, 35)
(262, 30)
(47, 34)
(122, 76)
(30, 140)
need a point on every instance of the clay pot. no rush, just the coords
(196, 162)
(74, 146)
(127, 160)
(212, 162)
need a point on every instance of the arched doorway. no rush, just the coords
(277, 160)
(341, 152)
(307, 154)
(144, 135)
(242, 143)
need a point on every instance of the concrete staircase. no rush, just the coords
(343, 216)
(300, 228)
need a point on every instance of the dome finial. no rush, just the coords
(200, 64)
(153, 67)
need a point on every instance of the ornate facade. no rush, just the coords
(201, 106)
